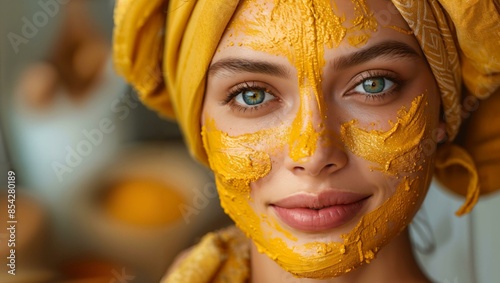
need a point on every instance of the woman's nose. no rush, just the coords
(315, 147)
(328, 157)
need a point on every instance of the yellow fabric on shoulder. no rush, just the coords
(220, 257)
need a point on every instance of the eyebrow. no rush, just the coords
(236, 65)
(391, 49)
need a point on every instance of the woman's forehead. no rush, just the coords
(281, 27)
(339, 20)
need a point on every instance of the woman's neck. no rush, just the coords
(394, 263)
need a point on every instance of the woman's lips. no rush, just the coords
(324, 211)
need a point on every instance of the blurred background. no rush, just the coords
(106, 191)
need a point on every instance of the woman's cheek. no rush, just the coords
(235, 158)
(237, 161)
(398, 151)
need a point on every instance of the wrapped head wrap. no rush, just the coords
(164, 48)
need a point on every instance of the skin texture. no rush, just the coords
(318, 131)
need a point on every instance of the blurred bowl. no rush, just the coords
(119, 215)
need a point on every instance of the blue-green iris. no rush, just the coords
(253, 96)
(374, 85)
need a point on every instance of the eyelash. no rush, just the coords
(244, 86)
(376, 74)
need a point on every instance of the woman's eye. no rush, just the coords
(253, 97)
(374, 86)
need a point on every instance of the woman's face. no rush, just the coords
(319, 122)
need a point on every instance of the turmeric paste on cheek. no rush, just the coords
(236, 162)
(397, 150)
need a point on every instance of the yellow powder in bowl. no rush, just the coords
(143, 202)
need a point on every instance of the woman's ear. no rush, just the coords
(441, 135)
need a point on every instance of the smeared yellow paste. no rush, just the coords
(401, 30)
(300, 30)
(363, 23)
(239, 160)
(397, 149)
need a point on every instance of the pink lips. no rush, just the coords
(313, 213)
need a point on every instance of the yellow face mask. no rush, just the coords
(239, 161)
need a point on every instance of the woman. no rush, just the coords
(320, 121)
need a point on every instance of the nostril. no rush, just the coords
(329, 167)
(312, 171)
(328, 161)
(299, 168)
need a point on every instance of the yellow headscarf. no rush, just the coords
(164, 48)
